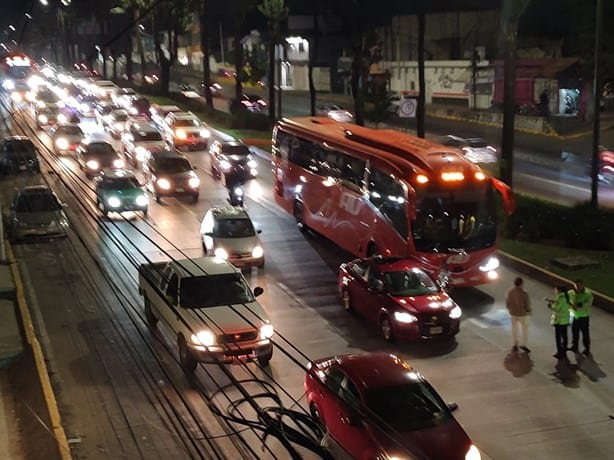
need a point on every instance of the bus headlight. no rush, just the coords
(257, 252)
(141, 201)
(62, 143)
(491, 264)
(266, 331)
(455, 313)
(114, 202)
(194, 182)
(221, 253)
(93, 165)
(164, 184)
(203, 338)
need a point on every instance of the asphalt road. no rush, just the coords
(121, 392)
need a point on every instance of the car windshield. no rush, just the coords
(241, 150)
(233, 228)
(36, 202)
(120, 184)
(214, 290)
(187, 122)
(147, 136)
(69, 130)
(405, 283)
(173, 165)
(120, 116)
(448, 220)
(100, 149)
(410, 406)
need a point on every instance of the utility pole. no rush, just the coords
(596, 108)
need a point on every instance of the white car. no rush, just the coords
(185, 131)
(475, 149)
(227, 232)
(335, 112)
(66, 138)
(139, 140)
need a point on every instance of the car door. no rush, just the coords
(358, 285)
(375, 297)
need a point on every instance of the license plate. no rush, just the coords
(179, 190)
(437, 330)
(22, 167)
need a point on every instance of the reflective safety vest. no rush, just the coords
(583, 301)
(560, 310)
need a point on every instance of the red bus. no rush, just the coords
(385, 192)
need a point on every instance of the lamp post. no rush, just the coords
(596, 108)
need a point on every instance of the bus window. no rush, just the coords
(352, 170)
(387, 195)
(282, 144)
(301, 154)
(327, 161)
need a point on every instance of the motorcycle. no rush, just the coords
(235, 196)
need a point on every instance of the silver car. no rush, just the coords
(228, 233)
(36, 212)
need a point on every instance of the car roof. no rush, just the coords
(17, 138)
(203, 265)
(232, 143)
(166, 154)
(114, 174)
(183, 115)
(229, 212)
(142, 125)
(374, 370)
(34, 189)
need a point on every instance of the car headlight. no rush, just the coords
(252, 164)
(266, 331)
(84, 108)
(491, 264)
(455, 313)
(118, 163)
(92, 164)
(204, 338)
(119, 126)
(194, 182)
(205, 133)
(62, 143)
(257, 252)
(16, 97)
(9, 85)
(473, 453)
(141, 200)
(181, 134)
(404, 317)
(221, 253)
(114, 202)
(43, 119)
(164, 184)
(62, 118)
(225, 165)
(133, 110)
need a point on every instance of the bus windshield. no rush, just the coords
(452, 219)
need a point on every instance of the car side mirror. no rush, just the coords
(258, 231)
(452, 406)
(194, 167)
(257, 291)
(64, 205)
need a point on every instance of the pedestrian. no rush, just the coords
(519, 307)
(560, 307)
(581, 299)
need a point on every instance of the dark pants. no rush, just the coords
(580, 325)
(560, 337)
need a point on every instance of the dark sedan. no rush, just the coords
(169, 174)
(18, 154)
(398, 296)
(376, 406)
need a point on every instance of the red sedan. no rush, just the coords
(376, 406)
(400, 297)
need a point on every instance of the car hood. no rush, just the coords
(183, 175)
(126, 192)
(72, 139)
(446, 441)
(39, 218)
(236, 245)
(431, 303)
(225, 319)
(158, 145)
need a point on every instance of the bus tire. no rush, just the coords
(386, 328)
(299, 216)
(186, 358)
(152, 321)
(346, 300)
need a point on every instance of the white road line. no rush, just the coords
(478, 323)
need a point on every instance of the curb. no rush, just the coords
(39, 358)
(601, 301)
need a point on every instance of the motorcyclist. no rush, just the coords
(234, 180)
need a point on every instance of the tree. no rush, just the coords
(313, 53)
(275, 11)
(204, 46)
(511, 12)
(421, 109)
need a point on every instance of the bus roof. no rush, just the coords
(410, 155)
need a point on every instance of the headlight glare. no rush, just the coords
(204, 338)
(257, 252)
(473, 453)
(404, 317)
(118, 163)
(266, 331)
(62, 143)
(491, 264)
(164, 184)
(194, 182)
(43, 119)
(225, 165)
(92, 164)
(455, 313)
(205, 133)
(114, 202)
(221, 253)
(181, 134)
(141, 200)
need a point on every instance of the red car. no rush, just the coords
(400, 297)
(376, 406)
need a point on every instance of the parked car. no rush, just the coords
(232, 157)
(97, 153)
(139, 140)
(169, 174)
(210, 308)
(606, 165)
(395, 100)
(398, 296)
(252, 102)
(228, 233)
(36, 212)
(475, 149)
(18, 154)
(377, 406)
(118, 190)
(185, 131)
(66, 138)
(335, 112)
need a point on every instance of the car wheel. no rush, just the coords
(346, 300)
(386, 328)
(195, 198)
(186, 358)
(315, 412)
(145, 211)
(157, 197)
(265, 359)
(299, 216)
(103, 209)
(152, 321)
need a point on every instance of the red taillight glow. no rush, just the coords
(452, 176)
(422, 179)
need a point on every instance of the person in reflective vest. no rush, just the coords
(560, 307)
(581, 299)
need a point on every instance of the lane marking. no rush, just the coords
(479, 323)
